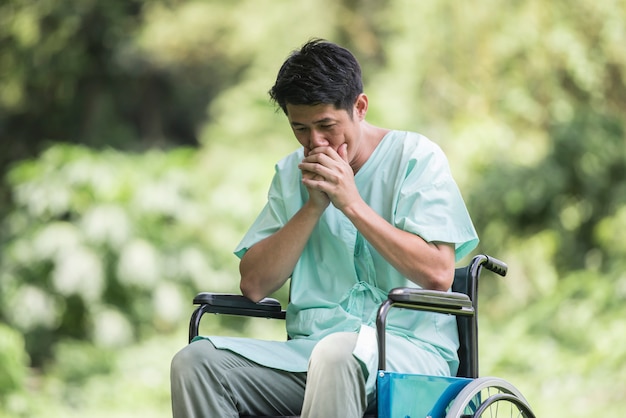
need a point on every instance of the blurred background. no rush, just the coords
(137, 143)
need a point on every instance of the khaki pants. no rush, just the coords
(207, 382)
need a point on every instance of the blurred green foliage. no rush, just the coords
(12, 359)
(137, 144)
(108, 247)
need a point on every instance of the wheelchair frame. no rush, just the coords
(463, 396)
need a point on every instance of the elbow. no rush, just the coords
(439, 279)
(251, 294)
(439, 275)
(249, 290)
(442, 282)
(256, 282)
(249, 282)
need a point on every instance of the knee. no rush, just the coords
(334, 350)
(187, 361)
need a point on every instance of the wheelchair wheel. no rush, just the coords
(489, 397)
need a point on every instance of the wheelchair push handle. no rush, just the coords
(495, 265)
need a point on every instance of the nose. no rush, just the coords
(316, 139)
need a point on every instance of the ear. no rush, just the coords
(360, 106)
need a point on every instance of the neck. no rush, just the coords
(371, 137)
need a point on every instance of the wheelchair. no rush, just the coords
(411, 395)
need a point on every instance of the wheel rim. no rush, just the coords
(484, 396)
(503, 405)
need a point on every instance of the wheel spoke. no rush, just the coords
(489, 398)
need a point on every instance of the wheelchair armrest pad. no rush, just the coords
(424, 299)
(236, 302)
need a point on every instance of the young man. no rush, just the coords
(355, 212)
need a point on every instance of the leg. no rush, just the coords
(335, 381)
(207, 382)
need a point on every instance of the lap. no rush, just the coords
(259, 390)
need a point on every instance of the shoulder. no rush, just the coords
(416, 142)
(289, 163)
(287, 175)
(414, 147)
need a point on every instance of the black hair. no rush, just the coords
(320, 72)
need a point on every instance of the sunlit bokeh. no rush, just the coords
(137, 143)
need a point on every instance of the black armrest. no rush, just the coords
(236, 301)
(431, 300)
(454, 303)
(231, 304)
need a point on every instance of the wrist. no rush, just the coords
(315, 208)
(356, 210)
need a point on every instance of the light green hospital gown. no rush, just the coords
(340, 279)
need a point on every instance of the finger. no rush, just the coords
(343, 151)
(319, 151)
(313, 167)
(315, 183)
(310, 175)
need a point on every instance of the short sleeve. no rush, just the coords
(430, 203)
(283, 200)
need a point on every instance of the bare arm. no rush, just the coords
(430, 265)
(259, 277)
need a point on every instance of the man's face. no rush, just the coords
(324, 126)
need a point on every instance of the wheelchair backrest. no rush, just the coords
(466, 281)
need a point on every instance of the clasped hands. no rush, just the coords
(328, 177)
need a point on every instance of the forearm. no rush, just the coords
(267, 265)
(430, 265)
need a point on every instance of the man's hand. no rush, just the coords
(430, 265)
(328, 172)
(316, 197)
